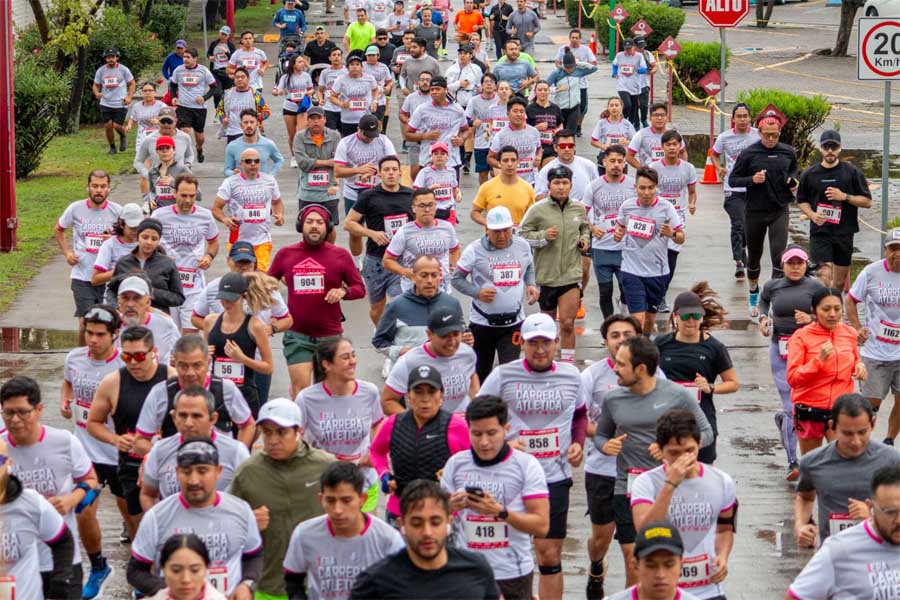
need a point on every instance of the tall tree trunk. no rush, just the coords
(848, 16)
(69, 120)
(145, 13)
(40, 18)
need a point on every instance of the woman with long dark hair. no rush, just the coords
(184, 564)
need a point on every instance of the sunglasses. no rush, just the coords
(166, 121)
(135, 356)
(830, 146)
(101, 314)
(689, 316)
(251, 161)
(565, 146)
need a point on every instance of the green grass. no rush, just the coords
(257, 19)
(42, 197)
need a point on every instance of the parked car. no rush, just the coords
(882, 8)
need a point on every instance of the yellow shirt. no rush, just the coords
(517, 197)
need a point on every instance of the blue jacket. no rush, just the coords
(172, 62)
(405, 320)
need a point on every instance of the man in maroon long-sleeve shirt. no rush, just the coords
(318, 276)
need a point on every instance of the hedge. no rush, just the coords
(694, 61)
(169, 22)
(40, 93)
(804, 115)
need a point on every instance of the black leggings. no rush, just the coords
(644, 101)
(490, 340)
(571, 116)
(673, 262)
(630, 105)
(756, 225)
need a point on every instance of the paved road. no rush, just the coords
(765, 557)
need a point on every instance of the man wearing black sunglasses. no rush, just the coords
(185, 153)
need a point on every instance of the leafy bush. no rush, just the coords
(804, 115)
(586, 23)
(39, 95)
(663, 20)
(694, 61)
(139, 50)
(169, 22)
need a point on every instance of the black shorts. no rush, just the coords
(128, 478)
(333, 119)
(625, 532)
(379, 114)
(548, 299)
(116, 115)
(600, 498)
(834, 248)
(518, 588)
(192, 118)
(559, 509)
(108, 476)
(74, 585)
(86, 295)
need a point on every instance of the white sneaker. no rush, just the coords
(293, 163)
(386, 368)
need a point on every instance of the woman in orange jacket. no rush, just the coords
(822, 363)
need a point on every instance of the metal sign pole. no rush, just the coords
(722, 72)
(205, 40)
(885, 155)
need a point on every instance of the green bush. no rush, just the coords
(804, 115)
(40, 93)
(694, 61)
(139, 50)
(586, 23)
(169, 22)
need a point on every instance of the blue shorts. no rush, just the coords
(644, 294)
(379, 281)
(481, 163)
(606, 263)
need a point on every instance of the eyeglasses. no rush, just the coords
(251, 161)
(566, 146)
(689, 316)
(22, 413)
(426, 206)
(100, 314)
(381, 38)
(891, 513)
(658, 114)
(135, 356)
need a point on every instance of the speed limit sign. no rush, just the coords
(879, 49)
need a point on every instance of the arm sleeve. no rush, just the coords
(740, 172)
(235, 403)
(356, 288)
(381, 445)
(606, 428)
(277, 159)
(458, 435)
(386, 330)
(579, 426)
(252, 566)
(62, 549)
(643, 490)
(461, 282)
(230, 161)
(764, 299)
(295, 585)
(799, 372)
(397, 378)
(142, 579)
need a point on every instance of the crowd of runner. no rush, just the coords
(468, 446)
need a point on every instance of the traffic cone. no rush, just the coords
(593, 44)
(710, 176)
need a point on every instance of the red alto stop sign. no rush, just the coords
(724, 13)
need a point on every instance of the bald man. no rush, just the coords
(254, 203)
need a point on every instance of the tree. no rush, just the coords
(848, 19)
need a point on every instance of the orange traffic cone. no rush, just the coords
(593, 43)
(710, 176)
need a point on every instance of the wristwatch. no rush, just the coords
(250, 584)
(503, 514)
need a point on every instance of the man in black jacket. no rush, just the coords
(768, 169)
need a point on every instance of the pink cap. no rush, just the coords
(794, 253)
(440, 146)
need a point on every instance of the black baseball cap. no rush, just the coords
(197, 451)
(231, 287)
(445, 320)
(111, 52)
(560, 172)
(368, 126)
(627, 42)
(688, 303)
(439, 82)
(658, 535)
(424, 374)
(830, 135)
(242, 251)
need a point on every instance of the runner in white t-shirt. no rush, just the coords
(443, 181)
(698, 499)
(646, 145)
(326, 553)
(438, 121)
(878, 286)
(521, 136)
(500, 497)
(253, 59)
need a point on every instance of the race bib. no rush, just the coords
(187, 277)
(8, 587)
(498, 124)
(888, 332)
(229, 369)
(111, 82)
(485, 532)
(615, 138)
(364, 181)
(629, 481)
(357, 104)
(526, 165)
(254, 213)
(92, 242)
(640, 227)
(296, 96)
(164, 192)
(442, 193)
(837, 522)
(401, 58)
(318, 179)
(657, 153)
(541, 443)
(626, 70)
(393, 223)
(218, 578)
(691, 387)
(782, 346)
(82, 408)
(221, 56)
(831, 213)
(610, 222)
(546, 137)
(190, 80)
(506, 275)
(348, 457)
(309, 283)
(694, 572)
(250, 63)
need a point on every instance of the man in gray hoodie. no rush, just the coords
(523, 24)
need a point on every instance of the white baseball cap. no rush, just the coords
(893, 237)
(499, 218)
(135, 284)
(539, 325)
(131, 215)
(280, 411)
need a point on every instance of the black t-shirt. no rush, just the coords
(467, 575)
(319, 54)
(386, 53)
(376, 205)
(551, 115)
(499, 14)
(846, 178)
(681, 362)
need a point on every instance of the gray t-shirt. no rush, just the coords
(413, 67)
(358, 92)
(507, 270)
(430, 34)
(836, 479)
(513, 72)
(784, 297)
(113, 85)
(479, 109)
(631, 594)
(456, 374)
(626, 412)
(192, 84)
(628, 79)
(89, 224)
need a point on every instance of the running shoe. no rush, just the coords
(595, 584)
(123, 143)
(663, 307)
(793, 472)
(753, 303)
(112, 150)
(93, 588)
(580, 314)
(200, 157)
(124, 538)
(888, 441)
(739, 270)
(293, 163)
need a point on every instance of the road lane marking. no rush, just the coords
(785, 62)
